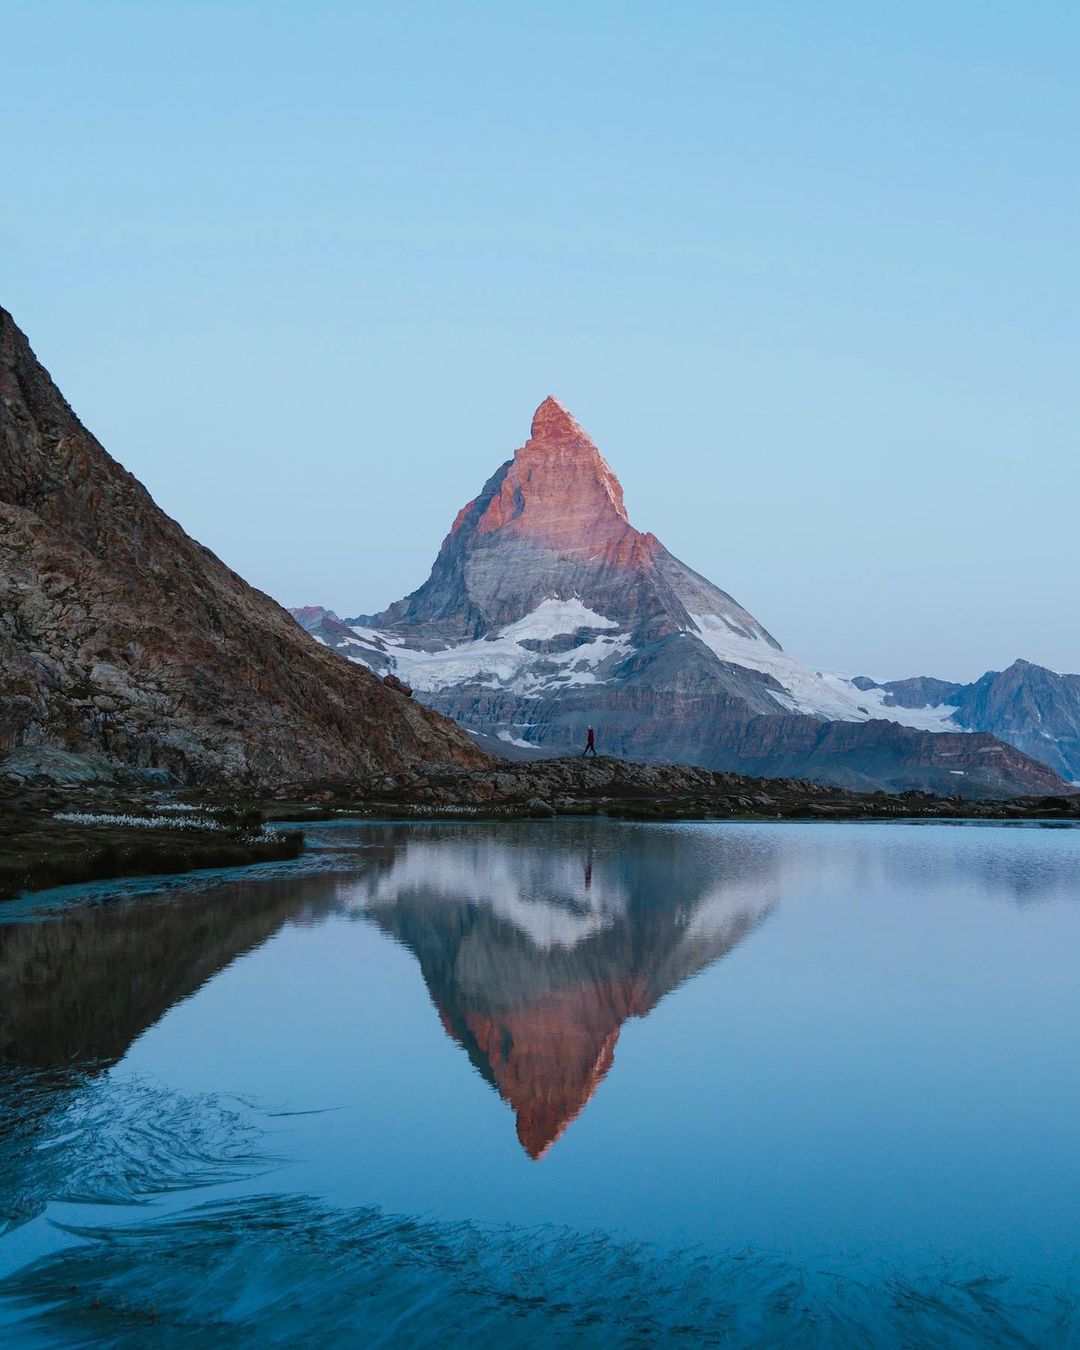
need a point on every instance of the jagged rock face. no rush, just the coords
(547, 611)
(551, 524)
(1027, 706)
(128, 643)
(1032, 708)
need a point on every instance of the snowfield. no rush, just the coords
(501, 661)
(816, 692)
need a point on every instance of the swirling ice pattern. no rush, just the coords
(73, 1137)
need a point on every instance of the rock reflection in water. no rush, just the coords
(77, 987)
(537, 945)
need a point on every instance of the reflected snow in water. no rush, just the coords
(570, 1082)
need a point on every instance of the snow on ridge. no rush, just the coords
(500, 660)
(808, 691)
(870, 703)
(552, 618)
(819, 693)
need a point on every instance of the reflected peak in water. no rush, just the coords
(537, 946)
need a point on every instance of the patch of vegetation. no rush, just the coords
(38, 852)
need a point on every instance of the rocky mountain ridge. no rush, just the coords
(126, 645)
(1027, 706)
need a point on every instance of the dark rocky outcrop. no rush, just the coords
(125, 643)
(616, 787)
(923, 691)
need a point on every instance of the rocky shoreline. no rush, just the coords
(52, 836)
(45, 843)
(627, 790)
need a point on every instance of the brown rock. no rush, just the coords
(122, 637)
(392, 682)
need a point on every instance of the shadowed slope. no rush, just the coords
(122, 637)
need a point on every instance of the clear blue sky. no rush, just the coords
(808, 273)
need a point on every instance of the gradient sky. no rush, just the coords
(808, 273)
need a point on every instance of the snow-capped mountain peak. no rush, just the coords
(547, 610)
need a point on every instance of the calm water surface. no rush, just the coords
(552, 1083)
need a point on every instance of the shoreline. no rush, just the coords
(51, 836)
(39, 852)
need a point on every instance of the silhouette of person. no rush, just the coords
(590, 744)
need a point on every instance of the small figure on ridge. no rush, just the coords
(590, 744)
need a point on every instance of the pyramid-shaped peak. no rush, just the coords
(552, 424)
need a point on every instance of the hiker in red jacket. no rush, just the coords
(590, 744)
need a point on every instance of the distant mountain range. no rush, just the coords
(124, 643)
(547, 611)
(1028, 706)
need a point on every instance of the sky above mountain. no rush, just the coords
(806, 274)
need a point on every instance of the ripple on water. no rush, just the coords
(290, 1270)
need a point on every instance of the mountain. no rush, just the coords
(546, 610)
(123, 642)
(1027, 706)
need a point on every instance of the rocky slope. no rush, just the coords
(1027, 706)
(614, 787)
(124, 642)
(546, 610)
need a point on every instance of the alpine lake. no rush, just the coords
(552, 1083)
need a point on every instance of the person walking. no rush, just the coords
(590, 744)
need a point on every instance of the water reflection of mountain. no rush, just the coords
(537, 943)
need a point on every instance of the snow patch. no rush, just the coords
(819, 693)
(554, 618)
(374, 638)
(501, 662)
(515, 740)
